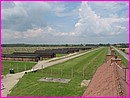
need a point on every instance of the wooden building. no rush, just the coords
(59, 51)
(41, 54)
(87, 47)
(54, 51)
(26, 57)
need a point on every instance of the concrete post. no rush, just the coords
(51, 71)
(25, 67)
(83, 72)
(72, 73)
(17, 68)
(61, 72)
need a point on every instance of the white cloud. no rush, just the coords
(9, 34)
(21, 16)
(14, 11)
(106, 9)
(90, 23)
(31, 33)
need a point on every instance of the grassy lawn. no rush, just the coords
(17, 66)
(59, 55)
(72, 69)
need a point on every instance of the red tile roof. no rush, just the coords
(107, 82)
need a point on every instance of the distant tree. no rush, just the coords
(81, 44)
(123, 50)
(108, 44)
(66, 45)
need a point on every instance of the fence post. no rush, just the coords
(17, 68)
(33, 69)
(10, 65)
(51, 71)
(126, 74)
(72, 72)
(25, 67)
(83, 72)
(42, 68)
(61, 72)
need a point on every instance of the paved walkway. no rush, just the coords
(12, 79)
(122, 53)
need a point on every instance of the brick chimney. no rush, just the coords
(116, 60)
(109, 56)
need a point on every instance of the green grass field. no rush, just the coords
(72, 69)
(59, 55)
(17, 66)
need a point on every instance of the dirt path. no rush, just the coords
(12, 79)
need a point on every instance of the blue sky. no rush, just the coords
(64, 22)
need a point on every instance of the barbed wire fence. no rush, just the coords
(63, 73)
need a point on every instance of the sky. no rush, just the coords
(64, 22)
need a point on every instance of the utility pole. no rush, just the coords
(42, 68)
(25, 67)
(17, 68)
(51, 71)
(10, 65)
(61, 72)
(126, 74)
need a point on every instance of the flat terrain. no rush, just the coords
(72, 69)
(12, 79)
(6, 50)
(17, 66)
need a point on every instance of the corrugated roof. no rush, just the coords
(29, 53)
(20, 56)
(56, 51)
